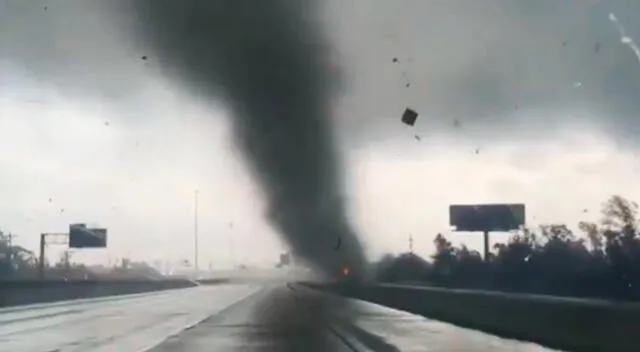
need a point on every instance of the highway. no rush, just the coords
(233, 318)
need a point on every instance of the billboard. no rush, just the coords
(80, 236)
(487, 217)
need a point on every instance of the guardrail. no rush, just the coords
(564, 323)
(18, 292)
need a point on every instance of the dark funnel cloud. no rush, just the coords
(266, 60)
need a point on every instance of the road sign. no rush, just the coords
(487, 217)
(80, 236)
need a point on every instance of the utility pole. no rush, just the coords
(411, 243)
(195, 234)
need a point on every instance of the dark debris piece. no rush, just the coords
(395, 60)
(338, 244)
(144, 58)
(409, 117)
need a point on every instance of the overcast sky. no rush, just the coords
(518, 102)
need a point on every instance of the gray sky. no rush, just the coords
(546, 92)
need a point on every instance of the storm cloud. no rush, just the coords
(493, 71)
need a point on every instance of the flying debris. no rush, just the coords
(409, 117)
(338, 244)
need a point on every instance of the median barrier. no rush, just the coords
(569, 324)
(20, 292)
(218, 281)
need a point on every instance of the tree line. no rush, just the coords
(19, 263)
(601, 260)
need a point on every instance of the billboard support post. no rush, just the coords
(486, 245)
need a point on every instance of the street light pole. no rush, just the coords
(195, 234)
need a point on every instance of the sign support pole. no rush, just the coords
(42, 256)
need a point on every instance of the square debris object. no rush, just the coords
(409, 117)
